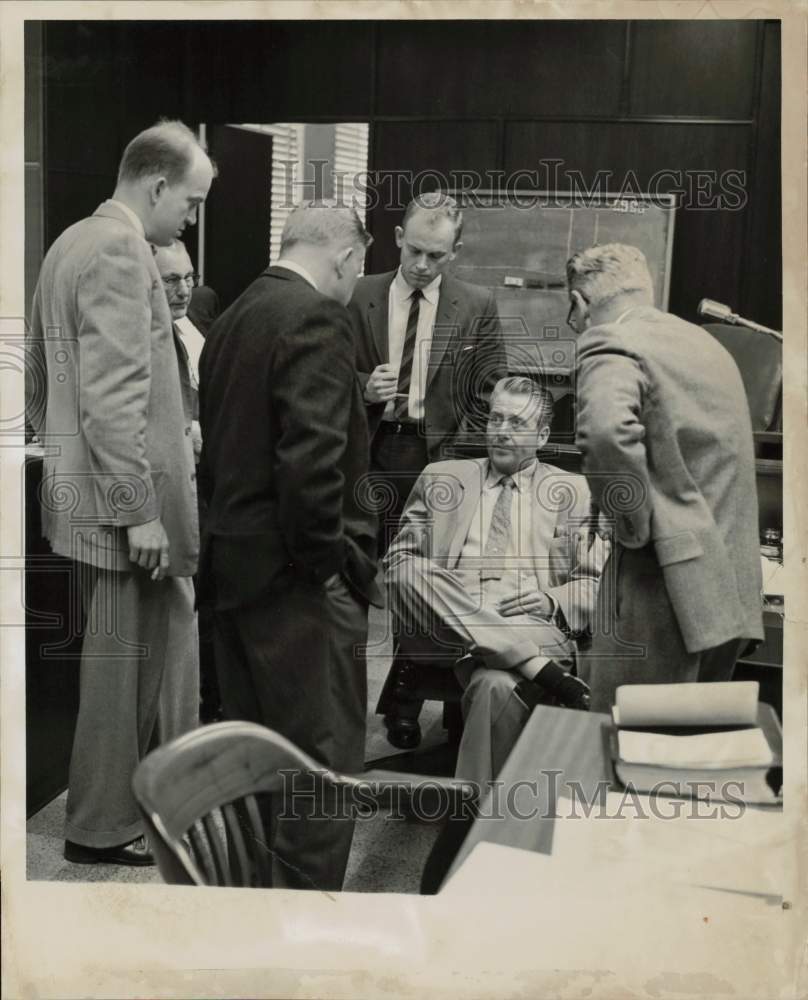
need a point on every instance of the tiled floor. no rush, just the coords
(388, 854)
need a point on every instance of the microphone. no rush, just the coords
(717, 310)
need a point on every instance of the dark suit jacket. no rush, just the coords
(285, 444)
(203, 309)
(466, 358)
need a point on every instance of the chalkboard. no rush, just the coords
(518, 243)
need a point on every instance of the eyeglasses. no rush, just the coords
(175, 280)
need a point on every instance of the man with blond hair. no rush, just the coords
(664, 428)
(429, 350)
(119, 491)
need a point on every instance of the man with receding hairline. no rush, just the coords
(180, 694)
(118, 447)
(288, 548)
(664, 429)
(491, 562)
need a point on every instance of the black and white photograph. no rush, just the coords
(403, 504)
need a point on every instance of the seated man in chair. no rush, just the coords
(494, 564)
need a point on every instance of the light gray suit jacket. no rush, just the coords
(103, 394)
(436, 521)
(664, 427)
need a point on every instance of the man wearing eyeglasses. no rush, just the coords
(180, 694)
(179, 281)
(664, 429)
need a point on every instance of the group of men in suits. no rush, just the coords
(326, 399)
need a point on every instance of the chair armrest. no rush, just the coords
(436, 797)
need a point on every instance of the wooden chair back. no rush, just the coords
(201, 799)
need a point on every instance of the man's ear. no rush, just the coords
(342, 259)
(543, 437)
(580, 301)
(156, 188)
(456, 249)
(399, 234)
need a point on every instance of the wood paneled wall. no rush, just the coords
(697, 100)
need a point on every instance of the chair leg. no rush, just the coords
(401, 706)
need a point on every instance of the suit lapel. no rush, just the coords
(377, 315)
(471, 476)
(445, 329)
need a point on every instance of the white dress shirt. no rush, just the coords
(398, 312)
(194, 342)
(531, 524)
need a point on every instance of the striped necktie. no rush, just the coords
(401, 408)
(499, 534)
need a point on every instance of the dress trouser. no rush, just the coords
(436, 613)
(180, 690)
(296, 663)
(396, 461)
(139, 635)
(636, 638)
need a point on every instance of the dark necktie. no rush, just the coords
(401, 406)
(499, 534)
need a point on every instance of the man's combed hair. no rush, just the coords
(440, 206)
(166, 149)
(321, 223)
(603, 272)
(539, 397)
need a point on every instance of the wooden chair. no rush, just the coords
(200, 798)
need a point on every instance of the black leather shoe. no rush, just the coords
(553, 685)
(134, 853)
(404, 734)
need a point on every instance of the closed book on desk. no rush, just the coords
(698, 740)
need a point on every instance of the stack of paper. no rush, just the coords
(697, 740)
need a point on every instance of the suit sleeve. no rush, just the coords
(36, 377)
(577, 597)
(313, 383)
(611, 389)
(114, 329)
(363, 363)
(413, 538)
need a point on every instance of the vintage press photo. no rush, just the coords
(492, 838)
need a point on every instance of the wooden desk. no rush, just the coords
(560, 753)
(573, 749)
